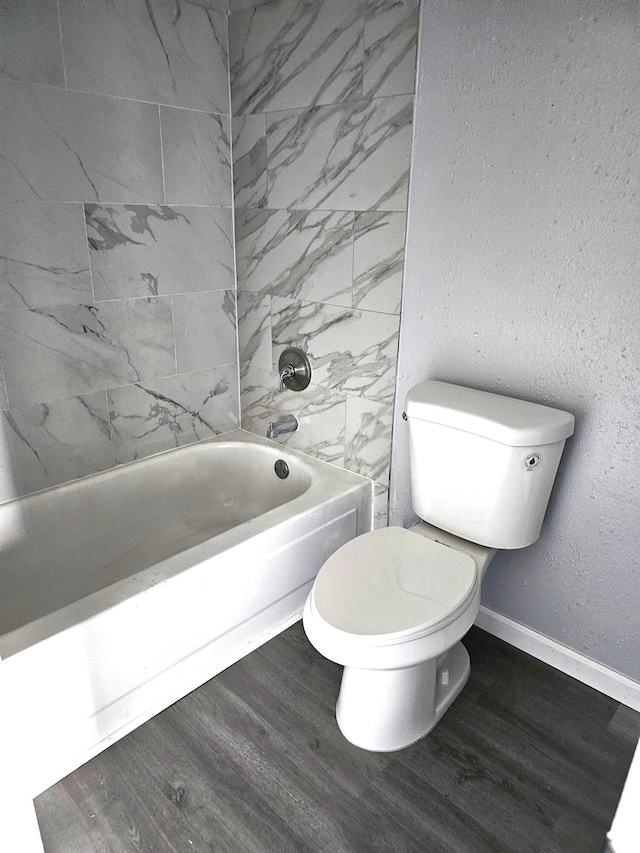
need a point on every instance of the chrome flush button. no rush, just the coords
(532, 461)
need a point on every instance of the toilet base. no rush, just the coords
(384, 710)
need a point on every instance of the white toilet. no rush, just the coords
(392, 605)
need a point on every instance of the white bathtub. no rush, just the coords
(122, 592)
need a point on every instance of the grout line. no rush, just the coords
(98, 302)
(92, 94)
(233, 228)
(331, 106)
(64, 64)
(126, 203)
(111, 428)
(164, 186)
(173, 329)
(266, 157)
(6, 390)
(145, 296)
(86, 240)
(353, 254)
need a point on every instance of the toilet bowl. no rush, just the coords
(417, 593)
(392, 605)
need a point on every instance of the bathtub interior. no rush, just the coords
(65, 543)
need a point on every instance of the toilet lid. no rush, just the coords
(393, 582)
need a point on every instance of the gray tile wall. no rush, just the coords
(322, 102)
(117, 303)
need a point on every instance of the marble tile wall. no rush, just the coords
(117, 280)
(322, 104)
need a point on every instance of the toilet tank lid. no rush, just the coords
(513, 422)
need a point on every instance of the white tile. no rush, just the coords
(368, 439)
(69, 146)
(140, 250)
(390, 40)
(31, 47)
(342, 157)
(250, 160)
(321, 414)
(205, 329)
(44, 255)
(152, 50)
(67, 350)
(291, 54)
(380, 507)
(298, 254)
(197, 158)
(254, 330)
(53, 443)
(350, 351)
(160, 414)
(378, 261)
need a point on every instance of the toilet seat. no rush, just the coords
(391, 586)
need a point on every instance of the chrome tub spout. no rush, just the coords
(287, 424)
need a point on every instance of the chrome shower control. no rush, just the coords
(294, 369)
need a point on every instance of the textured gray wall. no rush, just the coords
(522, 278)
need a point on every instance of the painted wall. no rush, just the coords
(322, 103)
(117, 304)
(522, 278)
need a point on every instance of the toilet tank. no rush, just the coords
(482, 465)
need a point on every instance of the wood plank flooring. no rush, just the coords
(526, 759)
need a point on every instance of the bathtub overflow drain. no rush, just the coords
(282, 469)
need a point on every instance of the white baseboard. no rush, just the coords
(572, 663)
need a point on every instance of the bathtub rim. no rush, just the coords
(327, 482)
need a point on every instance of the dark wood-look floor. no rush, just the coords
(526, 759)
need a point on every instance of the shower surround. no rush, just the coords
(117, 293)
(322, 104)
(118, 287)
